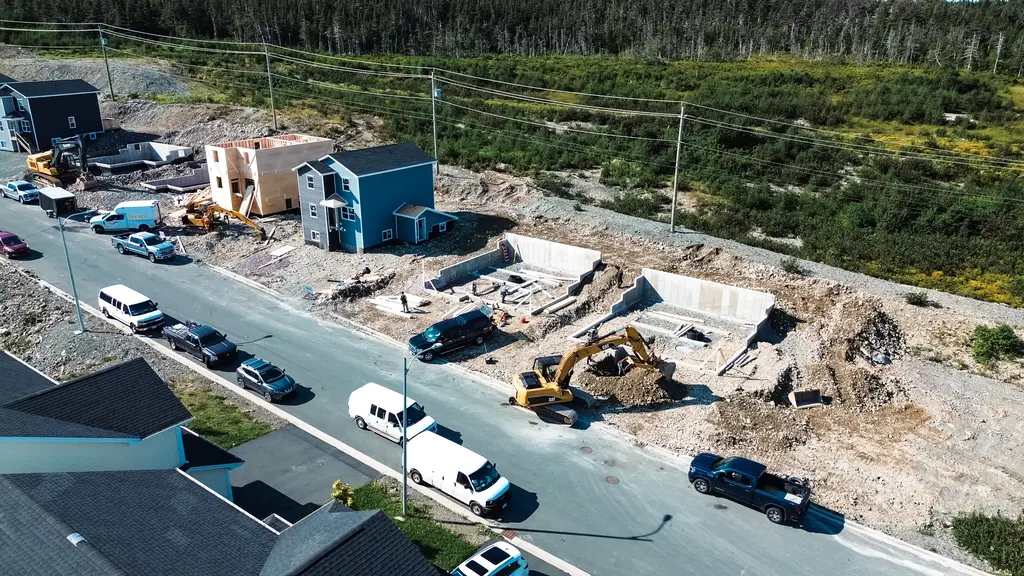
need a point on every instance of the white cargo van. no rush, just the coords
(376, 408)
(134, 215)
(130, 308)
(458, 472)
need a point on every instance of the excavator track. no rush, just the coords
(558, 413)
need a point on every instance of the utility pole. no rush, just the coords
(270, 84)
(106, 63)
(405, 435)
(999, 49)
(675, 175)
(433, 114)
(71, 274)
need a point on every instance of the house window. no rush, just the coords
(92, 135)
(3, 144)
(310, 182)
(441, 227)
(344, 184)
(72, 124)
(216, 157)
(312, 210)
(347, 213)
(386, 235)
(314, 235)
(220, 183)
(245, 157)
(26, 126)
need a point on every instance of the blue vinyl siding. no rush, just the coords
(383, 193)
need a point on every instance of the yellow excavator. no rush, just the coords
(545, 389)
(205, 216)
(65, 165)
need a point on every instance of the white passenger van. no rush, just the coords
(130, 308)
(376, 408)
(458, 472)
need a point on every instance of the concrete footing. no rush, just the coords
(149, 154)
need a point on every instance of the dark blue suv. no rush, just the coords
(449, 335)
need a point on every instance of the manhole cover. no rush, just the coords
(586, 449)
(612, 480)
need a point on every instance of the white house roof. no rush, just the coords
(415, 211)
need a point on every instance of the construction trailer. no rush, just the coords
(254, 177)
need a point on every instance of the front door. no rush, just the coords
(394, 428)
(461, 491)
(332, 229)
(421, 230)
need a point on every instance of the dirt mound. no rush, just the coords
(638, 387)
(129, 76)
(464, 187)
(194, 125)
(354, 290)
(596, 295)
(748, 424)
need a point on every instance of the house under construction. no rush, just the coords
(255, 176)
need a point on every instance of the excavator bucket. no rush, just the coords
(808, 398)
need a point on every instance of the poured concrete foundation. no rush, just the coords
(200, 178)
(148, 154)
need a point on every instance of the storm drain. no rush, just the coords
(612, 480)
(586, 449)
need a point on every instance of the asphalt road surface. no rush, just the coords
(587, 495)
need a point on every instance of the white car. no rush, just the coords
(21, 191)
(498, 559)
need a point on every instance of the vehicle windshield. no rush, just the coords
(415, 414)
(152, 240)
(272, 375)
(10, 240)
(142, 308)
(484, 478)
(722, 463)
(211, 338)
(26, 187)
(432, 334)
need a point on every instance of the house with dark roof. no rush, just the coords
(5, 79)
(34, 115)
(358, 199)
(120, 418)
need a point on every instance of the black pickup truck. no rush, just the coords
(782, 499)
(201, 341)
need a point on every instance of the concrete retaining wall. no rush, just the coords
(749, 306)
(150, 154)
(552, 256)
(450, 274)
(200, 178)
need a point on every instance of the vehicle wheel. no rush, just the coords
(268, 397)
(152, 258)
(567, 420)
(360, 423)
(701, 485)
(512, 401)
(22, 200)
(173, 346)
(775, 514)
(106, 313)
(476, 509)
(207, 362)
(143, 228)
(241, 384)
(97, 229)
(416, 477)
(120, 249)
(427, 356)
(478, 340)
(135, 329)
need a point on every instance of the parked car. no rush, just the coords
(498, 559)
(449, 335)
(11, 246)
(379, 409)
(134, 215)
(458, 472)
(144, 244)
(262, 376)
(781, 498)
(21, 191)
(130, 308)
(201, 341)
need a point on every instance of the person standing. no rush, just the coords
(405, 302)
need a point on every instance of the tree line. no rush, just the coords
(969, 34)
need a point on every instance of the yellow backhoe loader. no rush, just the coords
(206, 216)
(67, 164)
(545, 389)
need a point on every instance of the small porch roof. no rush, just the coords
(333, 201)
(414, 211)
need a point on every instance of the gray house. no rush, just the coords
(358, 199)
(33, 115)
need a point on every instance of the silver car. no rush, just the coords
(21, 191)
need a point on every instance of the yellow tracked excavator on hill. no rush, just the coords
(545, 389)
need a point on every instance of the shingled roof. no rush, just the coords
(5, 79)
(52, 88)
(18, 379)
(128, 400)
(382, 158)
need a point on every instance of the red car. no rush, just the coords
(11, 246)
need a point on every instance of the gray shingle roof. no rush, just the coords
(316, 166)
(5, 79)
(124, 401)
(335, 540)
(381, 158)
(201, 452)
(52, 88)
(18, 380)
(151, 522)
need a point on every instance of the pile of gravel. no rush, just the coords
(128, 76)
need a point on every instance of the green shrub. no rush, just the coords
(998, 539)
(643, 204)
(991, 344)
(917, 298)
(553, 186)
(791, 265)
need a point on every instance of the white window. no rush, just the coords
(314, 235)
(310, 182)
(3, 144)
(26, 126)
(344, 184)
(386, 235)
(72, 124)
(442, 226)
(347, 213)
(92, 135)
(312, 210)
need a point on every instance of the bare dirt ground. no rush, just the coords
(914, 430)
(128, 77)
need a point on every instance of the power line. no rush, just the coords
(340, 89)
(347, 69)
(179, 46)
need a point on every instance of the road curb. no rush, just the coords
(311, 430)
(247, 281)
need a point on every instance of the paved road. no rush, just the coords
(649, 522)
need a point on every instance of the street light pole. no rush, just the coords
(71, 274)
(405, 435)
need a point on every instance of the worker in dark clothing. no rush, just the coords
(405, 303)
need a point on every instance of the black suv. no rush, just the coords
(452, 334)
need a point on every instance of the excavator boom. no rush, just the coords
(628, 335)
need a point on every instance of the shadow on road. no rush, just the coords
(262, 500)
(255, 340)
(32, 255)
(821, 520)
(521, 504)
(301, 395)
(639, 537)
(446, 432)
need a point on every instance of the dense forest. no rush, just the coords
(963, 34)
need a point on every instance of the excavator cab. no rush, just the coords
(66, 164)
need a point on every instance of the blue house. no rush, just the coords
(358, 199)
